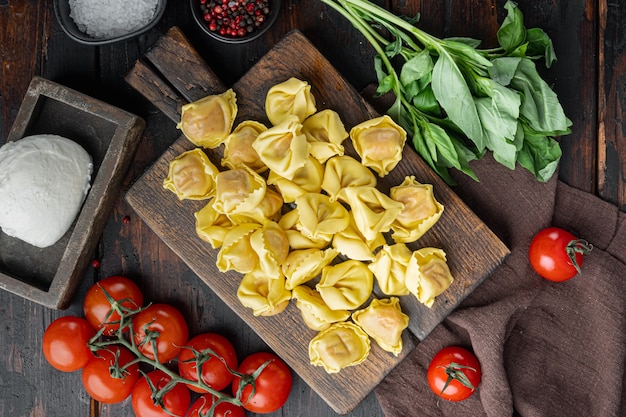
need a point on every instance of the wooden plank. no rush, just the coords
(611, 103)
(188, 73)
(143, 78)
(459, 231)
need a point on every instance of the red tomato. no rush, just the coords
(97, 306)
(203, 348)
(201, 407)
(65, 343)
(105, 377)
(556, 254)
(273, 384)
(454, 373)
(176, 400)
(161, 324)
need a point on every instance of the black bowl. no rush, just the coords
(274, 6)
(62, 12)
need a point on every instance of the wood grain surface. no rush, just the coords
(473, 251)
(589, 77)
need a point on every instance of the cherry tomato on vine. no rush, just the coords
(214, 372)
(164, 325)
(97, 306)
(273, 384)
(106, 377)
(556, 254)
(146, 402)
(65, 341)
(201, 407)
(454, 373)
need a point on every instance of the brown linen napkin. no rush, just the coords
(546, 349)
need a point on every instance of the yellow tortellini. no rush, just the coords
(266, 296)
(299, 219)
(389, 268)
(271, 246)
(267, 210)
(305, 264)
(373, 211)
(420, 212)
(379, 142)
(345, 171)
(351, 243)
(383, 321)
(212, 226)
(307, 179)
(208, 121)
(320, 218)
(236, 252)
(283, 148)
(191, 176)
(325, 132)
(238, 148)
(315, 313)
(428, 275)
(238, 191)
(298, 240)
(289, 98)
(346, 285)
(339, 346)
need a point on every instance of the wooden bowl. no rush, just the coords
(50, 276)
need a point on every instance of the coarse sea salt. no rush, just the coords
(109, 18)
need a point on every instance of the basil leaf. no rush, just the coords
(512, 33)
(439, 144)
(540, 46)
(466, 155)
(504, 151)
(540, 155)
(503, 69)
(420, 65)
(426, 102)
(540, 105)
(455, 98)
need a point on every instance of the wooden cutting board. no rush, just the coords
(172, 74)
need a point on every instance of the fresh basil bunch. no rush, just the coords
(457, 101)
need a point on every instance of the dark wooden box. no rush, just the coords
(110, 135)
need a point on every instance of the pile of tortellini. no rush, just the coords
(303, 221)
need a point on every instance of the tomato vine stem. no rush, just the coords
(124, 336)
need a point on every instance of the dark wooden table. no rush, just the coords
(590, 79)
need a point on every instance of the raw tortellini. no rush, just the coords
(325, 132)
(419, 213)
(344, 171)
(208, 121)
(315, 313)
(191, 176)
(283, 148)
(428, 275)
(289, 98)
(238, 148)
(345, 286)
(300, 220)
(305, 264)
(383, 321)
(389, 268)
(266, 296)
(238, 190)
(379, 142)
(340, 345)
